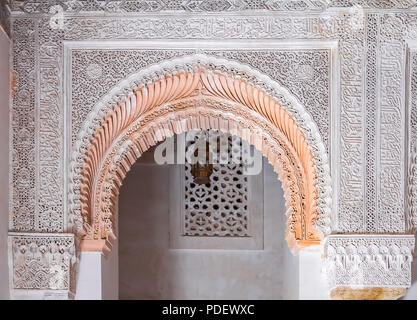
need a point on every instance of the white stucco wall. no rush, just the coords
(148, 269)
(4, 163)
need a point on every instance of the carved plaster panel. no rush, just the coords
(391, 118)
(42, 261)
(412, 84)
(368, 260)
(304, 72)
(50, 136)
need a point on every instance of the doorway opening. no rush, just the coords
(246, 258)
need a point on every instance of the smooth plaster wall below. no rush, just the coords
(149, 269)
(4, 163)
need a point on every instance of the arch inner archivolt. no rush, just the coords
(202, 97)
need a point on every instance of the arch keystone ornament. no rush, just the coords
(198, 92)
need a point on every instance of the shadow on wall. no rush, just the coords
(149, 269)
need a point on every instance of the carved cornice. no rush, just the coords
(153, 6)
(368, 260)
(179, 79)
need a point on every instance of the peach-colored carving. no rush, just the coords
(368, 293)
(190, 100)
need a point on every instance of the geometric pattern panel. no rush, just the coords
(42, 261)
(368, 260)
(218, 208)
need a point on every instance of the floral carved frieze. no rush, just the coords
(200, 75)
(42, 261)
(368, 260)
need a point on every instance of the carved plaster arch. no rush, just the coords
(199, 89)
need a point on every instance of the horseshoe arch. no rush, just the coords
(197, 92)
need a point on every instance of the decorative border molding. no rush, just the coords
(367, 260)
(22, 128)
(371, 33)
(411, 94)
(204, 6)
(392, 179)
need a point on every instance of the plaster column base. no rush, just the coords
(371, 293)
(312, 285)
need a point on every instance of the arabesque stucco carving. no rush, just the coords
(117, 135)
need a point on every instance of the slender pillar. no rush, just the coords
(89, 285)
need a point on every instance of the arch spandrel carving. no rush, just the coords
(191, 93)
